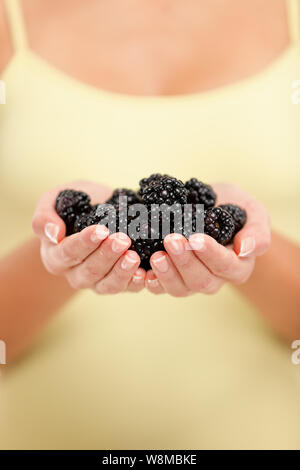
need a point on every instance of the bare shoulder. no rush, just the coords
(6, 47)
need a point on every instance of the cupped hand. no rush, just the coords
(89, 259)
(202, 265)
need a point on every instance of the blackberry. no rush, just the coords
(146, 181)
(200, 193)
(150, 236)
(145, 247)
(164, 190)
(96, 216)
(70, 204)
(219, 224)
(82, 221)
(193, 221)
(132, 197)
(238, 214)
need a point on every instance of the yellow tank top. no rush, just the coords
(139, 371)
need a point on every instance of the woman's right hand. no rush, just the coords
(91, 258)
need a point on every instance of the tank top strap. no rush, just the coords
(17, 24)
(293, 10)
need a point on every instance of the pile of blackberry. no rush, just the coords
(222, 222)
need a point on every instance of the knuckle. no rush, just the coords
(75, 283)
(112, 289)
(91, 271)
(212, 292)
(104, 254)
(202, 284)
(105, 288)
(223, 270)
(183, 260)
(67, 254)
(99, 290)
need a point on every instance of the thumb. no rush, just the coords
(46, 223)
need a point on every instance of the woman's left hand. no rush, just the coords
(200, 264)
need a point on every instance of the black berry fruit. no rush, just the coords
(219, 224)
(200, 193)
(164, 190)
(70, 204)
(238, 214)
(146, 181)
(145, 247)
(132, 197)
(99, 214)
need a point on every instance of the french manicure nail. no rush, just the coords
(247, 247)
(138, 275)
(119, 245)
(128, 262)
(120, 236)
(175, 245)
(100, 233)
(196, 242)
(153, 282)
(137, 278)
(51, 232)
(161, 264)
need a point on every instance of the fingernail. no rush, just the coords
(137, 278)
(161, 263)
(175, 244)
(129, 261)
(51, 232)
(196, 242)
(247, 247)
(100, 233)
(153, 282)
(138, 275)
(120, 242)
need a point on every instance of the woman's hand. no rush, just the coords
(203, 265)
(89, 259)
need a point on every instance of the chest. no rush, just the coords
(247, 134)
(158, 48)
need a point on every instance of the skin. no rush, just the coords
(203, 265)
(168, 59)
(89, 259)
(148, 47)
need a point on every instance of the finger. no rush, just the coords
(167, 274)
(153, 284)
(119, 277)
(46, 223)
(100, 262)
(137, 282)
(73, 250)
(255, 238)
(221, 261)
(194, 273)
